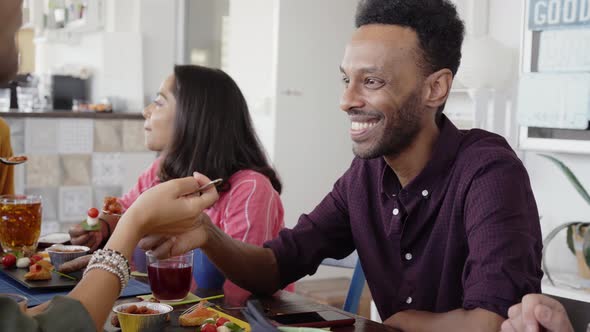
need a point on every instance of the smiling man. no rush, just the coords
(444, 221)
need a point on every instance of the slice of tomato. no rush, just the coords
(208, 328)
(221, 320)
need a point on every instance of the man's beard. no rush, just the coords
(399, 133)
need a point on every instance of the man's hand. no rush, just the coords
(167, 246)
(536, 311)
(92, 239)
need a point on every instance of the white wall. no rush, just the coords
(251, 61)
(158, 27)
(312, 143)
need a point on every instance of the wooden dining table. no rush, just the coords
(281, 302)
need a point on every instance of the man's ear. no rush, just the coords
(437, 88)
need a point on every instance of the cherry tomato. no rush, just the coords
(9, 260)
(93, 212)
(35, 258)
(35, 268)
(221, 320)
(208, 328)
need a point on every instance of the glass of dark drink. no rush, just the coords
(20, 223)
(170, 279)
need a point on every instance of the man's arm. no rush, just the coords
(296, 252)
(250, 267)
(457, 320)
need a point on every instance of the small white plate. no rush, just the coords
(55, 238)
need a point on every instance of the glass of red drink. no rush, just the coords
(170, 279)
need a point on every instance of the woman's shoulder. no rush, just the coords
(250, 179)
(248, 175)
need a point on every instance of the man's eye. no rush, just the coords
(373, 83)
(345, 80)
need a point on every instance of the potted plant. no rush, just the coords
(578, 232)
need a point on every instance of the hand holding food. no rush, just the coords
(112, 206)
(91, 223)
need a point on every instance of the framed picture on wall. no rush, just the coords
(554, 88)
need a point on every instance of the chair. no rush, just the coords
(577, 312)
(357, 284)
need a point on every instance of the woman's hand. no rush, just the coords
(171, 208)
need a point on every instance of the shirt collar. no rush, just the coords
(443, 156)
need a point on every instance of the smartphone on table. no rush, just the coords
(326, 318)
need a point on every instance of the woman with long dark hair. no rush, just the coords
(200, 122)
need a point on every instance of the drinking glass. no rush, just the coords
(20, 223)
(27, 98)
(170, 279)
(4, 100)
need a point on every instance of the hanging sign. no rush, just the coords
(549, 14)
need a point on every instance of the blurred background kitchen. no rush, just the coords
(88, 67)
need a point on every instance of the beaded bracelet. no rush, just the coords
(111, 261)
(107, 268)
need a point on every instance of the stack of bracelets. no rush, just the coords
(111, 261)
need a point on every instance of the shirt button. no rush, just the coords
(425, 193)
(395, 211)
(408, 256)
(409, 300)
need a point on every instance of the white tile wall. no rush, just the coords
(74, 163)
(106, 169)
(41, 136)
(43, 171)
(75, 135)
(76, 169)
(74, 202)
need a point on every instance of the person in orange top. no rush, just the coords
(6, 172)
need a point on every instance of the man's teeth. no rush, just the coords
(362, 125)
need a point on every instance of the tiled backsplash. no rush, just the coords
(74, 163)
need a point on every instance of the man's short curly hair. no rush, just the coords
(436, 22)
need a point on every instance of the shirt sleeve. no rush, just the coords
(146, 180)
(504, 238)
(324, 233)
(6, 172)
(253, 212)
(71, 314)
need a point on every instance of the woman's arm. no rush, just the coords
(94, 239)
(163, 209)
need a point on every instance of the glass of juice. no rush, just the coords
(20, 223)
(170, 279)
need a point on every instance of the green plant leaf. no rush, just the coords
(570, 176)
(570, 239)
(586, 247)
